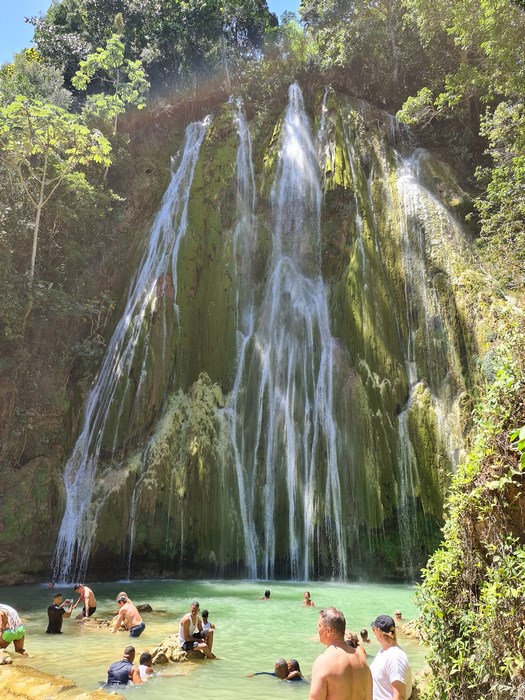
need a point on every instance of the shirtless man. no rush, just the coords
(129, 617)
(190, 633)
(90, 602)
(340, 673)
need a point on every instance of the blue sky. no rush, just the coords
(16, 35)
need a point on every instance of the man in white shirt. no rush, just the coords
(391, 671)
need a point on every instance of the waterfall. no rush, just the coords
(120, 392)
(425, 222)
(283, 394)
(243, 249)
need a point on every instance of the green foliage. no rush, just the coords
(30, 75)
(502, 207)
(473, 589)
(367, 47)
(125, 80)
(46, 147)
(174, 39)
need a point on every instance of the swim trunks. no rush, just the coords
(188, 646)
(90, 612)
(137, 630)
(13, 635)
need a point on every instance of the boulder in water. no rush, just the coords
(169, 651)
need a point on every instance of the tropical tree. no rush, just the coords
(31, 75)
(124, 82)
(47, 147)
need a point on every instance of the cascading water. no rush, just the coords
(313, 418)
(282, 401)
(424, 225)
(123, 387)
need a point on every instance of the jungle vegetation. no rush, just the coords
(453, 71)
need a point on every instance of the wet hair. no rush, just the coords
(352, 640)
(307, 593)
(145, 658)
(293, 665)
(334, 618)
(363, 634)
(266, 593)
(122, 599)
(77, 586)
(204, 613)
(129, 651)
(281, 665)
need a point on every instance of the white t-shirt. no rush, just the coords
(390, 665)
(144, 674)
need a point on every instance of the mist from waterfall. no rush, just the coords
(121, 386)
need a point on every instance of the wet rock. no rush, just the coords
(169, 651)
(22, 682)
(144, 607)
(5, 658)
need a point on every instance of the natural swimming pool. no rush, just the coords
(250, 633)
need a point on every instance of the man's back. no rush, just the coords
(341, 673)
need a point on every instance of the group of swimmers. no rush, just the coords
(340, 673)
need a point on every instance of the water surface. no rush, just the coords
(250, 633)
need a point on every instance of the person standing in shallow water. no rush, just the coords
(56, 613)
(307, 600)
(90, 602)
(390, 669)
(340, 673)
(129, 617)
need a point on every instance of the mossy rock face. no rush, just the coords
(403, 347)
(32, 498)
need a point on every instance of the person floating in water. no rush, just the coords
(294, 671)
(266, 595)
(129, 617)
(124, 671)
(90, 602)
(280, 670)
(11, 629)
(364, 636)
(146, 668)
(307, 600)
(57, 612)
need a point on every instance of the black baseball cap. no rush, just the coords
(384, 623)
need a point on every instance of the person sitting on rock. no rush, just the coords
(129, 617)
(124, 671)
(191, 634)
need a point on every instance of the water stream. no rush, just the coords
(282, 401)
(120, 388)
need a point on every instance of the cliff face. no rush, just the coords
(197, 471)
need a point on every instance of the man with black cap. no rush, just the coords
(191, 635)
(56, 612)
(391, 672)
